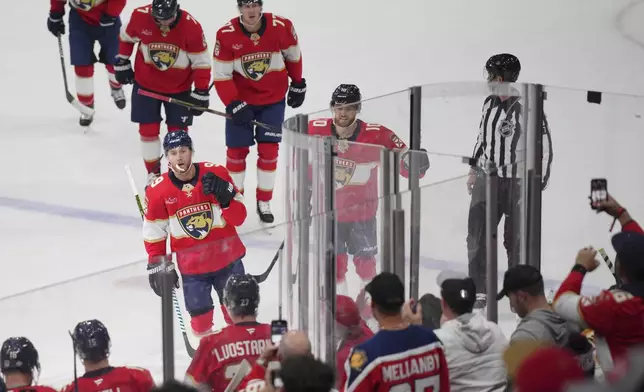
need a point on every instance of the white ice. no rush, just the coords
(67, 211)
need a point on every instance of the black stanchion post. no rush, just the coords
(491, 208)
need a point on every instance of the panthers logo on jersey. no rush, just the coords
(256, 65)
(196, 220)
(83, 5)
(344, 170)
(163, 56)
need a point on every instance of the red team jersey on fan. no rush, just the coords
(356, 164)
(220, 353)
(166, 62)
(346, 346)
(114, 379)
(201, 232)
(32, 388)
(255, 67)
(90, 10)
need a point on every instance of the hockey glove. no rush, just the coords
(240, 112)
(423, 161)
(199, 98)
(123, 71)
(223, 190)
(156, 275)
(108, 20)
(296, 94)
(56, 24)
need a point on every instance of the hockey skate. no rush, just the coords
(119, 97)
(86, 120)
(265, 215)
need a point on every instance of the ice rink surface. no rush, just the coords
(67, 211)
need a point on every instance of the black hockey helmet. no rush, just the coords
(241, 295)
(346, 94)
(164, 9)
(241, 3)
(91, 340)
(505, 65)
(176, 139)
(18, 354)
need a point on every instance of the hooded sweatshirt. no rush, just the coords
(544, 325)
(474, 350)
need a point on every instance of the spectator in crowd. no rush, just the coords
(92, 345)
(350, 331)
(430, 309)
(20, 366)
(473, 345)
(293, 343)
(547, 369)
(523, 285)
(399, 353)
(300, 373)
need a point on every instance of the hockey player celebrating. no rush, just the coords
(215, 363)
(90, 21)
(92, 345)
(356, 168)
(172, 54)
(199, 207)
(20, 366)
(255, 55)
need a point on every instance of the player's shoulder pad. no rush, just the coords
(211, 167)
(226, 28)
(136, 368)
(141, 11)
(187, 16)
(157, 185)
(320, 124)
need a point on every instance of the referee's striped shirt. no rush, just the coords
(501, 135)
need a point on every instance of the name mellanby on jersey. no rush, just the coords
(428, 363)
(241, 349)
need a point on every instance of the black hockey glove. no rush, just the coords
(108, 20)
(240, 112)
(199, 98)
(123, 71)
(223, 190)
(423, 161)
(296, 94)
(156, 274)
(56, 24)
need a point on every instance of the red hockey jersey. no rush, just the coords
(361, 334)
(201, 232)
(90, 10)
(168, 60)
(254, 381)
(356, 167)
(120, 379)
(32, 388)
(255, 67)
(220, 353)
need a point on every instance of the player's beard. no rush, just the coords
(343, 124)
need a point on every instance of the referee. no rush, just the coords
(500, 140)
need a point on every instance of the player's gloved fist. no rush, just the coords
(240, 112)
(123, 71)
(108, 20)
(200, 98)
(296, 94)
(223, 190)
(423, 161)
(156, 273)
(55, 23)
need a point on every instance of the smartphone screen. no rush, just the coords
(278, 328)
(598, 190)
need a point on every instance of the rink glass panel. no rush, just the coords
(589, 141)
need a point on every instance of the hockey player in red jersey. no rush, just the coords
(219, 354)
(90, 21)
(356, 169)
(400, 357)
(92, 344)
(351, 330)
(20, 366)
(255, 55)
(172, 55)
(199, 207)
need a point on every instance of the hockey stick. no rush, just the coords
(190, 105)
(263, 276)
(243, 369)
(70, 98)
(175, 301)
(71, 335)
(610, 264)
